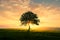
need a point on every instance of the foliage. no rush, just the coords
(29, 17)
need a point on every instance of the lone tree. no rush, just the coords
(29, 17)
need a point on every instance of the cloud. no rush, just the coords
(11, 10)
(3, 26)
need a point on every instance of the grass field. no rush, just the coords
(10, 34)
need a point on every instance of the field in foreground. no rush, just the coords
(9, 34)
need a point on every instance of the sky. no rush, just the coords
(48, 11)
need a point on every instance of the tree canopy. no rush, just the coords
(28, 17)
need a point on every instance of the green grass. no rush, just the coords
(10, 34)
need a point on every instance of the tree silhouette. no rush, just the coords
(29, 17)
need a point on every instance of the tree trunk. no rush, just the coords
(28, 32)
(29, 29)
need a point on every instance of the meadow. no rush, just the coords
(12, 34)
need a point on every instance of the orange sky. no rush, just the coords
(49, 15)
